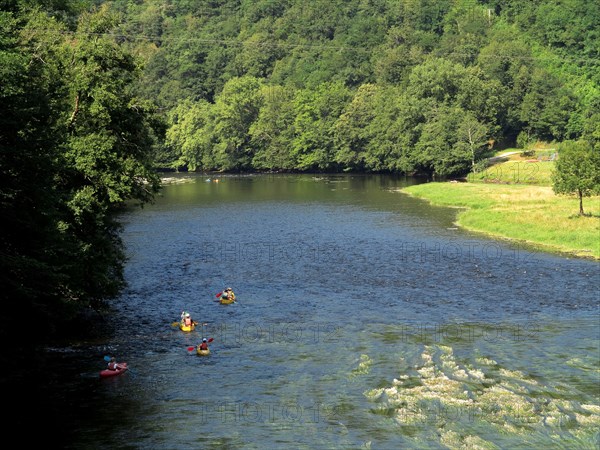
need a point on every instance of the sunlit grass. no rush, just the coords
(510, 167)
(528, 213)
(516, 171)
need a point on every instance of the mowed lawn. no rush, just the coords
(527, 213)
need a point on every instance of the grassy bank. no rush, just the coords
(512, 167)
(522, 212)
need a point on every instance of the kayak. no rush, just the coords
(183, 327)
(111, 373)
(227, 301)
(202, 352)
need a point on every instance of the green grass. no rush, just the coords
(509, 167)
(532, 214)
(537, 173)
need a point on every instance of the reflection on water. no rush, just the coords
(364, 319)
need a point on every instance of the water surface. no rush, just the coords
(365, 319)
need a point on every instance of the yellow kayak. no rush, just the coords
(183, 327)
(202, 352)
(227, 301)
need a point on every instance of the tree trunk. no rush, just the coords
(75, 111)
(580, 202)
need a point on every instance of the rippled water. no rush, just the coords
(365, 319)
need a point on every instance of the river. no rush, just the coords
(364, 319)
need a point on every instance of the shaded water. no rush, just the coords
(365, 319)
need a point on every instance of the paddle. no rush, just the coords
(176, 324)
(219, 294)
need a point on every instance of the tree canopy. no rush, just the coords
(515, 71)
(577, 171)
(75, 145)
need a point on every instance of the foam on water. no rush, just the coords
(496, 402)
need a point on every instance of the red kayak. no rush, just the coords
(122, 367)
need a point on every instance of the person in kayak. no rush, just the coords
(228, 294)
(113, 365)
(186, 319)
(204, 345)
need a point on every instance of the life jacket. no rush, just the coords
(204, 346)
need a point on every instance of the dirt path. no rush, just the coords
(499, 157)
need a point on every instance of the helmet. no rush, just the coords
(187, 314)
(204, 340)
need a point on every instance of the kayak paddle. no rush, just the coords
(176, 324)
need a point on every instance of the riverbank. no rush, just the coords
(532, 214)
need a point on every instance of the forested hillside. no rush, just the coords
(368, 85)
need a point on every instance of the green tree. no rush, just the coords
(577, 170)
(30, 243)
(273, 131)
(257, 56)
(546, 107)
(394, 131)
(473, 137)
(107, 153)
(236, 109)
(75, 145)
(316, 113)
(438, 79)
(450, 140)
(191, 135)
(352, 133)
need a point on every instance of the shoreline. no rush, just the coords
(517, 212)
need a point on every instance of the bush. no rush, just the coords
(480, 166)
(523, 139)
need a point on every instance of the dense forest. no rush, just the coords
(75, 144)
(426, 86)
(97, 95)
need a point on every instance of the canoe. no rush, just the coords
(227, 301)
(203, 352)
(111, 373)
(183, 327)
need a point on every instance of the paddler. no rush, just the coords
(228, 294)
(204, 345)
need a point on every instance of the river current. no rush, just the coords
(364, 319)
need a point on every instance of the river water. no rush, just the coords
(364, 319)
